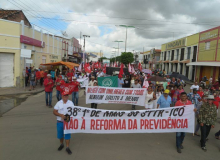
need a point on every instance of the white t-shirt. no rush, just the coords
(194, 86)
(62, 108)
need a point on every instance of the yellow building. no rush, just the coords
(177, 54)
(208, 57)
(15, 36)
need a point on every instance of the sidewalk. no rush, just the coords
(22, 90)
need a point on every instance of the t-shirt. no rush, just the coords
(136, 86)
(119, 82)
(42, 74)
(61, 83)
(127, 83)
(32, 77)
(76, 84)
(163, 102)
(180, 103)
(194, 86)
(200, 93)
(62, 108)
(52, 74)
(216, 102)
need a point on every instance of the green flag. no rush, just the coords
(108, 81)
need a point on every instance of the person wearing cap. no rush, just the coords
(207, 119)
(165, 100)
(58, 83)
(194, 97)
(48, 84)
(181, 135)
(59, 111)
(91, 83)
(75, 93)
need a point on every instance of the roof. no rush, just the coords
(6, 14)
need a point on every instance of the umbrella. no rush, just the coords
(147, 71)
(180, 76)
(157, 78)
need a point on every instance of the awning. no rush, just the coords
(68, 64)
(203, 64)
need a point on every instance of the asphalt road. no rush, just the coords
(28, 132)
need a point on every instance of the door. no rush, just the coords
(206, 71)
(6, 69)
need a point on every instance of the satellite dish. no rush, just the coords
(64, 33)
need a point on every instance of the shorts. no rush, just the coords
(32, 83)
(60, 133)
(149, 106)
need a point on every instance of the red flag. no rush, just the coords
(114, 64)
(139, 66)
(96, 65)
(100, 65)
(93, 66)
(87, 67)
(132, 69)
(104, 69)
(121, 71)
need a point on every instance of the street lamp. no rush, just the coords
(114, 54)
(85, 45)
(118, 45)
(126, 33)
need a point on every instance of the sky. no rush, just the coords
(155, 22)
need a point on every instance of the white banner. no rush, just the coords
(26, 53)
(134, 96)
(29, 61)
(173, 119)
(84, 82)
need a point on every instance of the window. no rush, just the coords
(168, 58)
(188, 52)
(207, 45)
(44, 59)
(177, 54)
(74, 49)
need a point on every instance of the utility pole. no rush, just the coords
(84, 46)
(118, 46)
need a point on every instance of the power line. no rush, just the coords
(141, 19)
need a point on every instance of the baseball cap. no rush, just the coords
(48, 75)
(167, 91)
(65, 93)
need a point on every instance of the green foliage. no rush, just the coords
(118, 58)
(127, 57)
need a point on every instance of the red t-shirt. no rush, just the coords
(48, 87)
(45, 75)
(76, 84)
(201, 93)
(38, 75)
(70, 74)
(61, 83)
(180, 103)
(216, 102)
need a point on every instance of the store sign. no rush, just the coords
(53, 58)
(29, 61)
(26, 53)
(31, 41)
(209, 35)
(176, 44)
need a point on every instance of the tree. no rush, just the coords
(101, 59)
(127, 57)
(118, 58)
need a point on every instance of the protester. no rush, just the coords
(195, 85)
(100, 73)
(32, 80)
(75, 93)
(206, 92)
(180, 89)
(150, 96)
(135, 85)
(48, 84)
(120, 82)
(91, 83)
(127, 82)
(200, 92)
(25, 75)
(41, 77)
(194, 97)
(217, 100)
(173, 82)
(59, 111)
(207, 119)
(165, 100)
(216, 85)
(174, 95)
(210, 80)
(94, 105)
(58, 83)
(180, 135)
(158, 93)
(165, 83)
(52, 75)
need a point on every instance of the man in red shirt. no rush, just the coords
(37, 75)
(180, 135)
(70, 74)
(200, 93)
(48, 84)
(58, 83)
(75, 93)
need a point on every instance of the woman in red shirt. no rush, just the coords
(201, 93)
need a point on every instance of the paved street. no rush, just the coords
(29, 132)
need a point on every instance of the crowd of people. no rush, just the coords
(163, 94)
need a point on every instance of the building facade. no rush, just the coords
(15, 36)
(208, 57)
(177, 54)
(151, 58)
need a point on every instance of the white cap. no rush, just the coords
(48, 75)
